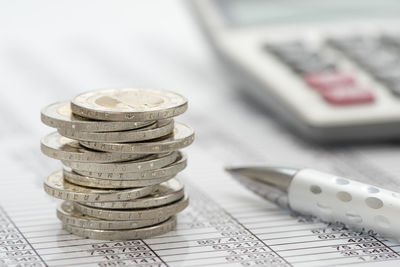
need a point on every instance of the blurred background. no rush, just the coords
(54, 50)
(253, 72)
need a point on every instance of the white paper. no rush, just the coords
(51, 51)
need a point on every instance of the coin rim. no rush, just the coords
(88, 156)
(97, 195)
(56, 120)
(126, 166)
(179, 165)
(139, 233)
(144, 147)
(148, 201)
(95, 223)
(135, 214)
(110, 115)
(162, 128)
(76, 178)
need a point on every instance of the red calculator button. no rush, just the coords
(348, 96)
(328, 80)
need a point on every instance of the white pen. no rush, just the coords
(331, 198)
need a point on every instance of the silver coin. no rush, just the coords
(62, 148)
(166, 193)
(128, 104)
(78, 179)
(140, 233)
(182, 136)
(60, 116)
(170, 170)
(134, 214)
(68, 215)
(155, 130)
(56, 186)
(151, 162)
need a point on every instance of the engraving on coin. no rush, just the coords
(155, 130)
(59, 115)
(56, 186)
(166, 193)
(140, 233)
(182, 136)
(62, 148)
(169, 170)
(86, 181)
(128, 104)
(150, 162)
(134, 214)
(68, 215)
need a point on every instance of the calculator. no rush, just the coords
(328, 69)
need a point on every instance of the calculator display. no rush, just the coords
(252, 12)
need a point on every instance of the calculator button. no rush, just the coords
(286, 48)
(344, 44)
(388, 75)
(300, 57)
(312, 66)
(328, 80)
(394, 87)
(391, 40)
(348, 96)
(380, 60)
(355, 45)
(359, 49)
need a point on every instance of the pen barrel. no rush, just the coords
(359, 206)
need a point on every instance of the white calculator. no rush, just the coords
(329, 69)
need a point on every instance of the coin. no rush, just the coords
(140, 233)
(59, 147)
(56, 186)
(128, 104)
(155, 130)
(68, 215)
(169, 170)
(150, 162)
(182, 136)
(166, 193)
(134, 214)
(59, 115)
(86, 181)
(120, 151)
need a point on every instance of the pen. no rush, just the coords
(332, 198)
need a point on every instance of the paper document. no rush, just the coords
(224, 225)
(52, 56)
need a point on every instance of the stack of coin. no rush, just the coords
(120, 152)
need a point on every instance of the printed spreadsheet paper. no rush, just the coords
(51, 52)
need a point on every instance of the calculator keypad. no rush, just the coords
(329, 80)
(300, 59)
(334, 86)
(379, 56)
(348, 95)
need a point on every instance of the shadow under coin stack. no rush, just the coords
(120, 151)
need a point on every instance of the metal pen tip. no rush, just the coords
(229, 169)
(270, 183)
(274, 176)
